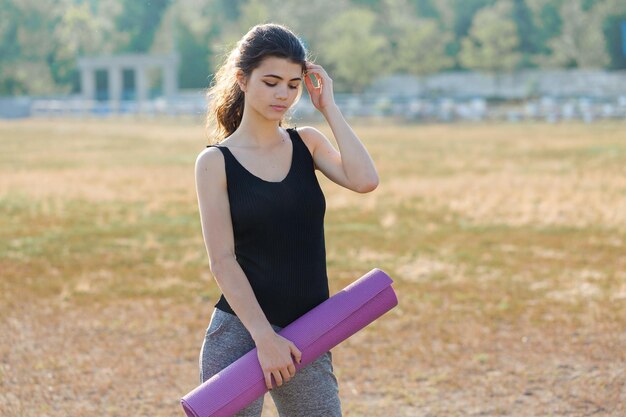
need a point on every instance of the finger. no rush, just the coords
(292, 370)
(296, 352)
(286, 375)
(319, 80)
(268, 380)
(278, 378)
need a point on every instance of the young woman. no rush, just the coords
(262, 214)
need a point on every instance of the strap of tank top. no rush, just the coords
(229, 158)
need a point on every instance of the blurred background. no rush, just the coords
(415, 59)
(498, 128)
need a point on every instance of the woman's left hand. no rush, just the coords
(322, 95)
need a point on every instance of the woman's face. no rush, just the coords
(273, 87)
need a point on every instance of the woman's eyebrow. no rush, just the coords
(280, 78)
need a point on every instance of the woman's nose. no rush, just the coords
(281, 92)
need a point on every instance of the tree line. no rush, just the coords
(356, 40)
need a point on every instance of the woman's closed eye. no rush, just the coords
(272, 85)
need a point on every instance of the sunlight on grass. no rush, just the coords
(498, 236)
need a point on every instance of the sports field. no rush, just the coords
(507, 244)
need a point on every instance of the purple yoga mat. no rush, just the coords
(314, 333)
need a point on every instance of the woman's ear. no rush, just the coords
(241, 80)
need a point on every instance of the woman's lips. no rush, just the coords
(278, 108)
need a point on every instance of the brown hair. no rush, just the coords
(226, 100)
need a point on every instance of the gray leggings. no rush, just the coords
(312, 392)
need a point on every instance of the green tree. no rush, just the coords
(547, 20)
(492, 42)
(526, 31)
(9, 50)
(396, 18)
(354, 52)
(357, 40)
(374, 5)
(253, 13)
(422, 49)
(305, 18)
(612, 29)
(614, 12)
(84, 30)
(28, 47)
(139, 20)
(581, 42)
(426, 9)
(456, 16)
(417, 46)
(186, 30)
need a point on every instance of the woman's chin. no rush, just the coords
(275, 116)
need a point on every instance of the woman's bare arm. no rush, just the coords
(219, 241)
(218, 237)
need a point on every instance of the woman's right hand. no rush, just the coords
(275, 356)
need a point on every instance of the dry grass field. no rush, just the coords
(507, 244)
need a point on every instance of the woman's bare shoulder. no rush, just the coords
(210, 165)
(310, 136)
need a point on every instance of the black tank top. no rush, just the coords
(278, 230)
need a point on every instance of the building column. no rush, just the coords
(141, 86)
(169, 80)
(88, 83)
(115, 87)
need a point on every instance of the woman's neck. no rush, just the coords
(259, 133)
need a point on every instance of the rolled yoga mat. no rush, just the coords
(314, 333)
